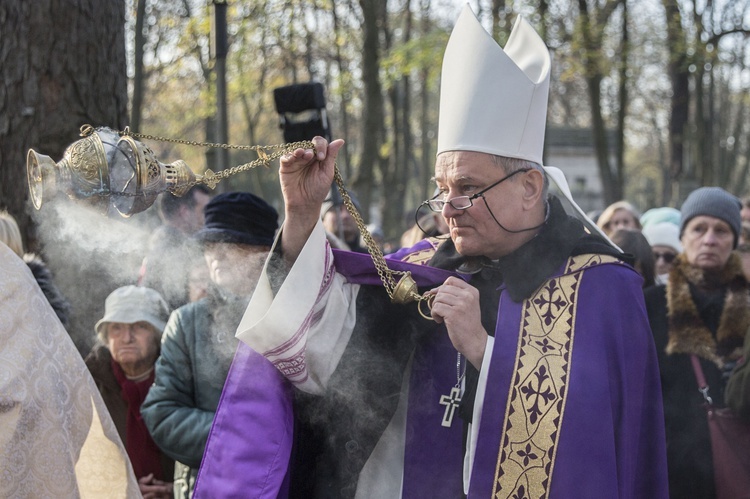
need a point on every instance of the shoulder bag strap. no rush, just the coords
(700, 378)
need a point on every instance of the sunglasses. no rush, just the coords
(667, 257)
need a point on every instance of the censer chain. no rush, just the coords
(403, 291)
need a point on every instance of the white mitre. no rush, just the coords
(494, 100)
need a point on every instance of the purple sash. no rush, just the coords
(433, 453)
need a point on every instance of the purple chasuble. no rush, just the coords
(607, 441)
(433, 457)
(611, 440)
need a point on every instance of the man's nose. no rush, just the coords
(449, 211)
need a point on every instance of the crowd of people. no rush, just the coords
(546, 354)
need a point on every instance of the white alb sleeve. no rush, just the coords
(304, 329)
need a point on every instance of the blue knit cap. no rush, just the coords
(713, 202)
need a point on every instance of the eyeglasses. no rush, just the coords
(464, 202)
(667, 257)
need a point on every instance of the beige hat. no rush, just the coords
(131, 304)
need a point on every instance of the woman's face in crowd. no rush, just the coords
(198, 281)
(134, 346)
(663, 257)
(621, 219)
(235, 267)
(707, 242)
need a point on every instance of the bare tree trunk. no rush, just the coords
(400, 165)
(409, 165)
(343, 69)
(392, 196)
(138, 73)
(61, 69)
(428, 160)
(698, 137)
(592, 26)
(543, 12)
(63, 66)
(737, 151)
(679, 77)
(623, 108)
(372, 129)
(498, 7)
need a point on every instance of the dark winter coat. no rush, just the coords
(99, 362)
(692, 316)
(44, 278)
(738, 387)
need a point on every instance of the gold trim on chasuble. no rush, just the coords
(538, 392)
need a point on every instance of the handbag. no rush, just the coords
(730, 444)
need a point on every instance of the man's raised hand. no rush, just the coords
(306, 176)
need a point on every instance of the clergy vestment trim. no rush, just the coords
(538, 393)
(423, 256)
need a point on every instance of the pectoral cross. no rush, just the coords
(450, 402)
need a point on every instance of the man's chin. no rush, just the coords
(465, 248)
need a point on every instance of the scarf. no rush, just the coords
(688, 332)
(144, 455)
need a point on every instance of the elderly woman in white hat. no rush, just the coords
(122, 365)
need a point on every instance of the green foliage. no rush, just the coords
(421, 55)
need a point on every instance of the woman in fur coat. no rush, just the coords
(704, 309)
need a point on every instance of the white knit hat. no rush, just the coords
(663, 234)
(493, 100)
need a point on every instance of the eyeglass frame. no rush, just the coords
(469, 199)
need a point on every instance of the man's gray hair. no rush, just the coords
(510, 165)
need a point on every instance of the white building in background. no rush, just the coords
(572, 151)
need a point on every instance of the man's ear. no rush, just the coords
(533, 188)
